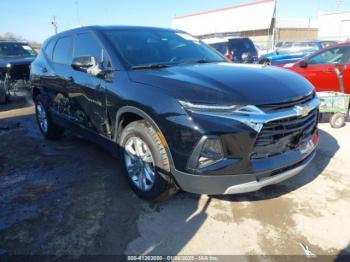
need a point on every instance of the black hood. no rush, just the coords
(16, 60)
(226, 83)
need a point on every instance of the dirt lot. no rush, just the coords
(69, 198)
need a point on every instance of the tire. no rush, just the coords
(156, 167)
(3, 96)
(337, 120)
(265, 62)
(48, 129)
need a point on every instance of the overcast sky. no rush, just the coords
(32, 18)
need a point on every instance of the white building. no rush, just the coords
(255, 20)
(334, 25)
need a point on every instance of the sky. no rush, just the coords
(32, 18)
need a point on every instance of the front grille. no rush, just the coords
(20, 72)
(280, 136)
(289, 104)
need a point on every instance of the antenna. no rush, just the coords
(54, 24)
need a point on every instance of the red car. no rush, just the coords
(324, 68)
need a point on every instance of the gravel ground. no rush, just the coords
(69, 197)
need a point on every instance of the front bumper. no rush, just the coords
(237, 184)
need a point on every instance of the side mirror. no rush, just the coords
(87, 64)
(303, 64)
(83, 63)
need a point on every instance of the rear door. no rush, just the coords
(61, 60)
(321, 68)
(88, 93)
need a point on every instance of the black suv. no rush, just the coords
(15, 60)
(179, 113)
(238, 50)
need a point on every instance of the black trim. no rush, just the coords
(217, 185)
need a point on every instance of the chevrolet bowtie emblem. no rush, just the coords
(302, 110)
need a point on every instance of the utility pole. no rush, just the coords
(54, 24)
(274, 29)
(78, 13)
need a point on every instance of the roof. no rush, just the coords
(215, 40)
(245, 17)
(104, 27)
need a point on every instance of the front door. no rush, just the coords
(88, 93)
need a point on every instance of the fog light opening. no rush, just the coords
(211, 152)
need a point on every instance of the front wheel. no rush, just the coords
(145, 162)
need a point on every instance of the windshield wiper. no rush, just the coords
(149, 66)
(202, 61)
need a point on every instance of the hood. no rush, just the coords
(16, 60)
(285, 55)
(226, 83)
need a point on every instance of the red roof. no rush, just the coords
(226, 8)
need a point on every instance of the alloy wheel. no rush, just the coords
(139, 163)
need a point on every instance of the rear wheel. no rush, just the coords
(49, 129)
(338, 120)
(145, 162)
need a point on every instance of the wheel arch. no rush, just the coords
(135, 114)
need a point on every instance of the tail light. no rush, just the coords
(229, 56)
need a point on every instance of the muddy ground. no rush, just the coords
(69, 197)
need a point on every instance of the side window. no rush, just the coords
(63, 51)
(330, 56)
(49, 48)
(87, 45)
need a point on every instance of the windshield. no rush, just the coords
(151, 47)
(15, 50)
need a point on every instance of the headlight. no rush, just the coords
(209, 108)
(8, 65)
(240, 113)
(207, 152)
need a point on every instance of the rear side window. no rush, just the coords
(49, 49)
(87, 45)
(63, 51)
(242, 46)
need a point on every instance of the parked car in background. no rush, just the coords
(238, 50)
(15, 60)
(261, 49)
(321, 68)
(292, 51)
(327, 43)
(179, 114)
